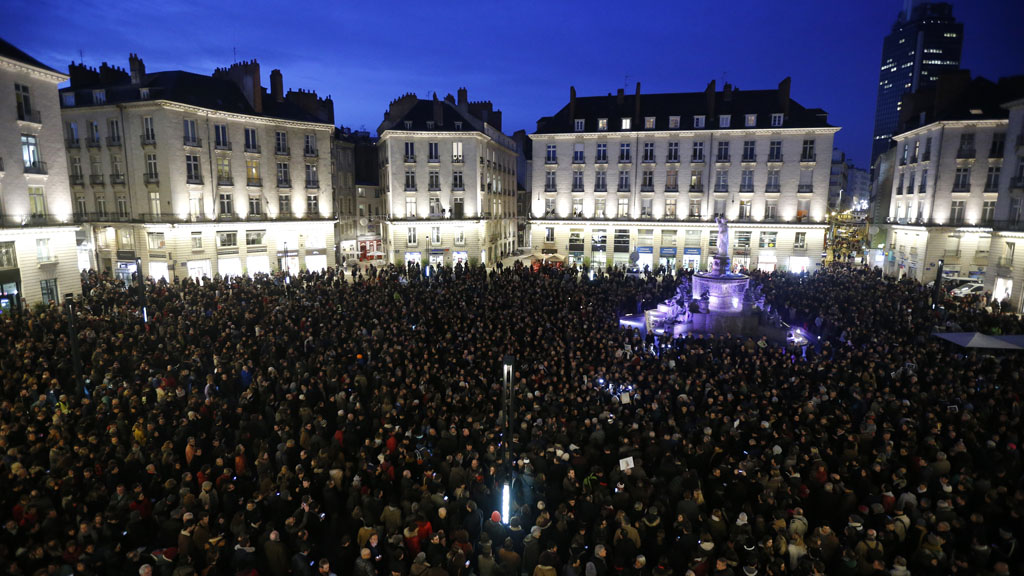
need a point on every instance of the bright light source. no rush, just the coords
(505, 496)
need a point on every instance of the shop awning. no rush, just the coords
(979, 340)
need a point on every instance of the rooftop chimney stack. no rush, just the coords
(137, 68)
(572, 103)
(463, 99)
(620, 96)
(783, 94)
(636, 112)
(709, 100)
(276, 85)
(437, 111)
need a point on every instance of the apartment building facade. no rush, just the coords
(199, 175)
(448, 175)
(647, 173)
(38, 247)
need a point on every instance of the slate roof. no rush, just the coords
(422, 112)
(980, 99)
(12, 52)
(686, 105)
(195, 90)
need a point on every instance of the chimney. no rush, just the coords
(709, 101)
(636, 111)
(137, 68)
(783, 94)
(463, 98)
(727, 92)
(572, 104)
(276, 85)
(437, 111)
(450, 99)
(620, 97)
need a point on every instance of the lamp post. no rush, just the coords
(142, 290)
(508, 396)
(76, 359)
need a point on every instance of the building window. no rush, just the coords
(312, 204)
(549, 234)
(281, 142)
(602, 153)
(807, 154)
(578, 125)
(252, 143)
(648, 151)
(255, 206)
(122, 207)
(775, 151)
(30, 153)
(625, 152)
(36, 201)
(992, 180)
(649, 123)
(549, 206)
(435, 235)
(723, 152)
(551, 155)
(776, 120)
(771, 210)
(148, 132)
(623, 210)
(673, 122)
(460, 236)
(101, 205)
(549, 181)
(227, 239)
(800, 242)
(744, 209)
(577, 153)
(602, 124)
(599, 207)
(220, 136)
(48, 290)
(310, 145)
(433, 152)
(577, 180)
(600, 181)
(766, 239)
(694, 208)
(647, 181)
(751, 120)
(125, 239)
(410, 179)
(747, 180)
(189, 128)
(252, 172)
(670, 207)
(254, 237)
(627, 123)
(284, 203)
(724, 120)
(457, 183)
(646, 207)
(154, 203)
(673, 152)
(671, 180)
(966, 149)
(226, 204)
(80, 205)
(721, 180)
(410, 206)
(698, 121)
(197, 240)
(156, 241)
(962, 179)
(998, 145)
(68, 99)
(988, 211)
(623, 181)
(312, 176)
(434, 180)
(956, 212)
(698, 152)
(43, 253)
(192, 173)
(748, 151)
(696, 180)
(284, 178)
(772, 184)
(99, 96)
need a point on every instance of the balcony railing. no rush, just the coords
(625, 159)
(310, 152)
(284, 183)
(8, 221)
(71, 143)
(410, 158)
(76, 179)
(253, 148)
(151, 178)
(808, 157)
(222, 145)
(951, 254)
(113, 141)
(648, 159)
(148, 139)
(315, 183)
(551, 160)
(771, 189)
(457, 159)
(578, 159)
(254, 182)
(696, 187)
(722, 158)
(747, 188)
(433, 159)
(93, 142)
(672, 159)
(96, 179)
(29, 115)
(1017, 182)
(775, 157)
(193, 142)
(1006, 261)
(601, 159)
(282, 151)
(37, 167)
(805, 188)
(966, 153)
(225, 180)
(194, 179)
(117, 179)
(647, 188)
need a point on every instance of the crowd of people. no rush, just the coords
(317, 424)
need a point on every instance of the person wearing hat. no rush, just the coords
(494, 529)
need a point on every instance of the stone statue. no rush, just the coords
(723, 236)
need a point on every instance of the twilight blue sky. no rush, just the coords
(522, 55)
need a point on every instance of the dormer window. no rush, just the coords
(724, 120)
(627, 123)
(578, 124)
(602, 124)
(430, 124)
(99, 96)
(68, 99)
(408, 124)
(776, 120)
(673, 122)
(143, 93)
(458, 125)
(751, 120)
(698, 121)
(649, 123)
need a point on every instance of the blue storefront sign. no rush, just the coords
(691, 251)
(645, 249)
(668, 252)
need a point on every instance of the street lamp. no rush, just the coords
(142, 290)
(76, 359)
(508, 396)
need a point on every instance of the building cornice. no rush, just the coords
(55, 77)
(688, 133)
(950, 124)
(190, 109)
(679, 224)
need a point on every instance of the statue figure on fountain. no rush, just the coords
(723, 236)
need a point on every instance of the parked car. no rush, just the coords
(968, 289)
(950, 283)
